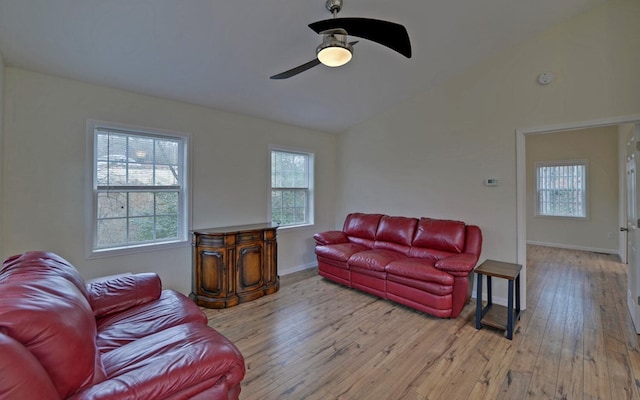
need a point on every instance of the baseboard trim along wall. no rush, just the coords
(298, 268)
(574, 247)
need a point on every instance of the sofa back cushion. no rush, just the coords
(42, 307)
(361, 228)
(440, 234)
(395, 233)
(44, 264)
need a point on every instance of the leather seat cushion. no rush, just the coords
(169, 310)
(159, 365)
(375, 260)
(419, 269)
(341, 252)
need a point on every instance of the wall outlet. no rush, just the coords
(609, 235)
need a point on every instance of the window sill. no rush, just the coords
(145, 248)
(291, 228)
(566, 218)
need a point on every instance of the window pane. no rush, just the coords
(112, 232)
(166, 175)
(167, 227)
(287, 216)
(141, 229)
(300, 197)
(167, 203)
(287, 199)
(561, 190)
(276, 216)
(112, 205)
(300, 215)
(141, 203)
(276, 199)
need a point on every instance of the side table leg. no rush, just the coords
(478, 301)
(510, 311)
(518, 296)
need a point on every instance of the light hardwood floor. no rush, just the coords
(318, 340)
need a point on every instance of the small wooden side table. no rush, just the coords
(493, 314)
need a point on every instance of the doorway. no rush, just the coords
(521, 197)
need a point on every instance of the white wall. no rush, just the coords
(599, 232)
(430, 155)
(46, 172)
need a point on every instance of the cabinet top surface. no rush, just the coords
(236, 229)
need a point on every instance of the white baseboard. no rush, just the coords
(574, 247)
(297, 268)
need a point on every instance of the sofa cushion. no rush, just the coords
(440, 234)
(339, 252)
(171, 309)
(375, 260)
(361, 228)
(163, 364)
(419, 269)
(395, 233)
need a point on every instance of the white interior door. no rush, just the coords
(633, 234)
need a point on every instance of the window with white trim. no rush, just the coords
(291, 201)
(139, 192)
(561, 188)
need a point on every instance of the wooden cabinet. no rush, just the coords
(234, 264)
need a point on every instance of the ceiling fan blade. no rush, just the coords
(296, 70)
(389, 34)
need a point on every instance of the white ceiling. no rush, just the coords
(221, 53)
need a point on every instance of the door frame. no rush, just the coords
(521, 189)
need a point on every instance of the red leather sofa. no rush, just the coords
(421, 263)
(120, 337)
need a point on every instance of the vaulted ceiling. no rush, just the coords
(221, 54)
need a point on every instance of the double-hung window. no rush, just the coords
(291, 187)
(561, 188)
(139, 194)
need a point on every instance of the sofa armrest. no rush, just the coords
(330, 237)
(23, 377)
(458, 265)
(116, 293)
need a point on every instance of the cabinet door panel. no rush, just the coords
(212, 273)
(250, 271)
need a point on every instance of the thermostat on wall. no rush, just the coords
(491, 182)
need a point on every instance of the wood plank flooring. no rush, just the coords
(318, 340)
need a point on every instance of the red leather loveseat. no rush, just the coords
(119, 337)
(421, 263)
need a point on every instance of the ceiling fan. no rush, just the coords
(335, 51)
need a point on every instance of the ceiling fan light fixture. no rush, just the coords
(333, 52)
